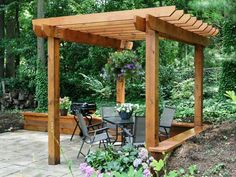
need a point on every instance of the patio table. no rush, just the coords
(116, 120)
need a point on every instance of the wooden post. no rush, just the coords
(152, 91)
(120, 90)
(198, 89)
(53, 101)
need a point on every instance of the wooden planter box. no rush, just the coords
(39, 122)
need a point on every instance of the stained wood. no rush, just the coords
(190, 22)
(175, 16)
(120, 90)
(107, 16)
(140, 23)
(206, 30)
(171, 143)
(53, 102)
(80, 37)
(201, 28)
(152, 89)
(172, 32)
(198, 86)
(196, 25)
(182, 20)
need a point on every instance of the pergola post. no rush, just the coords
(120, 90)
(53, 101)
(152, 90)
(198, 88)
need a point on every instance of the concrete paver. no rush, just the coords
(25, 154)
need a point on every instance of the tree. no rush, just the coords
(2, 49)
(41, 75)
(12, 33)
(40, 41)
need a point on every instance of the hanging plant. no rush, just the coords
(123, 64)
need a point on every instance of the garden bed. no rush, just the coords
(39, 122)
(10, 121)
(213, 152)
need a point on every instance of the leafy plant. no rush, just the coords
(101, 89)
(123, 64)
(65, 103)
(232, 96)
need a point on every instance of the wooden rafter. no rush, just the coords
(107, 16)
(77, 36)
(172, 32)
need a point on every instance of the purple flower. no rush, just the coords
(145, 165)
(83, 167)
(146, 173)
(89, 171)
(137, 162)
(143, 154)
(130, 66)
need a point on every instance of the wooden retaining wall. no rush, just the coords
(39, 122)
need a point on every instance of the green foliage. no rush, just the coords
(228, 79)
(131, 173)
(218, 169)
(101, 88)
(65, 103)
(123, 64)
(41, 93)
(232, 96)
(113, 160)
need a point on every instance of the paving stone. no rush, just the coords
(25, 154)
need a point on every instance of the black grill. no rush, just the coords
(86, 109)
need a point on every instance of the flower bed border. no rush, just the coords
(39, 122)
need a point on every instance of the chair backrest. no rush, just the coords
(139, 129)
(109, 112)
(167, 116)
(82, 123)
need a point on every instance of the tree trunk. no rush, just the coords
(2, 49)
(40, 41)
(12, 33)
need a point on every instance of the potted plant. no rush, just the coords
(124, 64)
(65, 104)
(125, 110)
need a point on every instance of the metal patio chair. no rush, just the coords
(136, 136)
(91, 137)
(108, 112)
(166, 120)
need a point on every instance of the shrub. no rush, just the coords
(228, 79)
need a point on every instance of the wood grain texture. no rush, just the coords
(198, 86)
(152, 89)
(173, 32)
(106, 16)
(175, 141)
(53, 102)
(120, 90)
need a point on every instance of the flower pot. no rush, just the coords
(125, 115)
(63, 112)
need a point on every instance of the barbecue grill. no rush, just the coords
(86, 109)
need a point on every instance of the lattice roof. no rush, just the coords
(130, 25)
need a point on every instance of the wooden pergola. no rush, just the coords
(117, 30)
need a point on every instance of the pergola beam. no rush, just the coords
(78, 37)
(173, 32)
(106, 16)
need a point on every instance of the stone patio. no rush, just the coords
(25, 154)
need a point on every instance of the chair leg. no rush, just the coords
(81, 150)
(73, 133)
(90, 146)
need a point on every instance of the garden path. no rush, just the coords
(24, 154)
